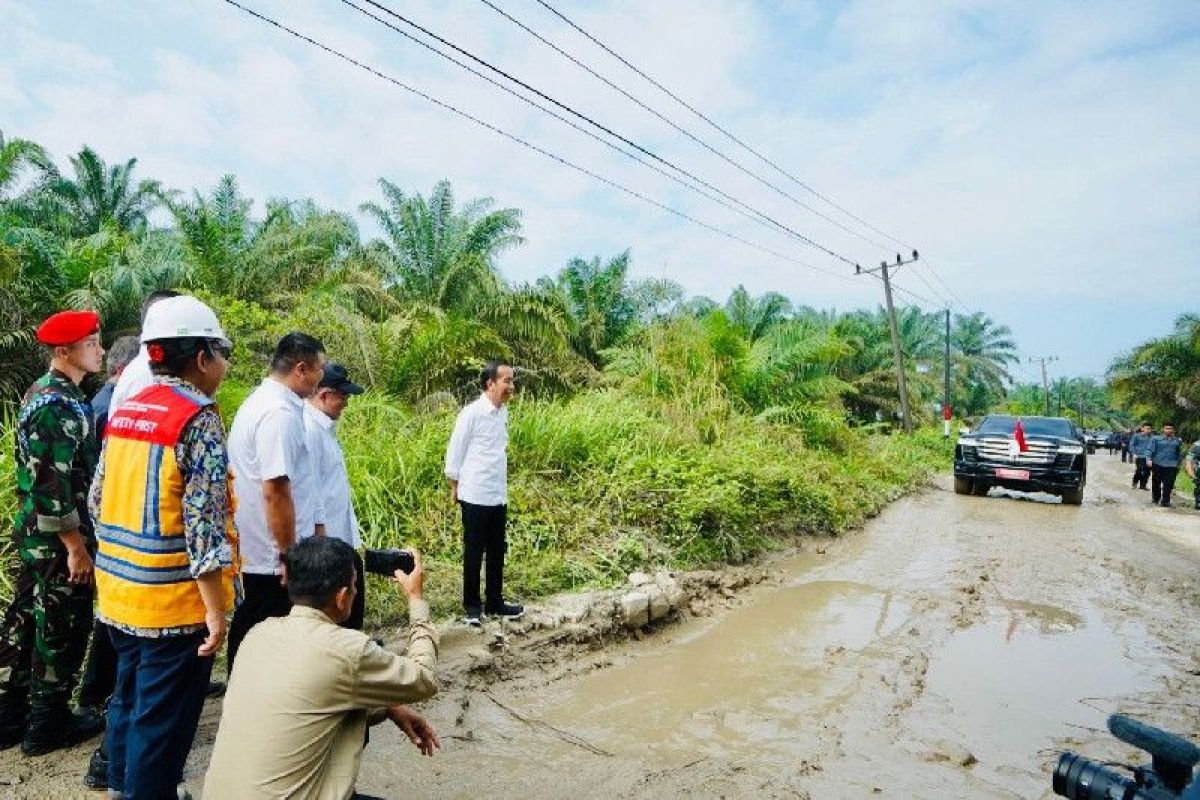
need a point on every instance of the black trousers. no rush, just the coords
(100, 670)
(1141, 472)
(483, 540)
(1162, 483)
(265, 597)
(359, 609)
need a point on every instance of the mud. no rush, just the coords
(949, 649)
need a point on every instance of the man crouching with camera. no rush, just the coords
(304, 690)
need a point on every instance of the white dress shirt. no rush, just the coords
(334, 506)
(135, 377)
(477, 456)
(266, 441)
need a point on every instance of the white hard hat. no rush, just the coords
(181, 317)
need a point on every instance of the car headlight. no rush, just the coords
(1071, 449)
(968, 443)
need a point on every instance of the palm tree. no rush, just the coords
(1160, 379)
(100, 195)
(438, 254)
(16, 156)
(983, 351)
(754, 316)
(597, 299)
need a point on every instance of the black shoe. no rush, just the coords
(14, 718)
(510, 610)
(55, 728)
(96, 778)
(473, 617)
(215, 689)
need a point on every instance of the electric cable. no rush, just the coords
(572, 111)
(529, 145)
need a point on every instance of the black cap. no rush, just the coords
(338, 379)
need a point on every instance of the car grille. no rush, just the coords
(996, 448)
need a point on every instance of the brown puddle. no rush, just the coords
(754, 678)
(1028, 674)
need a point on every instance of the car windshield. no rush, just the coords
(1034, 426)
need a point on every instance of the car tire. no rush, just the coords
(1073, 497)
(963, 486)
(980, 489)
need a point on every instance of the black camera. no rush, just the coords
(386, 562)
(1167, 777)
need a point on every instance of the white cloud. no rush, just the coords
(1041, 155)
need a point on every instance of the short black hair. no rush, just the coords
(491, 371)
(178, 354)
(154, 297)
(294, 348)
(317, 568)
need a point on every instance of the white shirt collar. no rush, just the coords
(486, 404)
(283, 391)
(318, 416)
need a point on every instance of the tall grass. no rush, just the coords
(607, 482)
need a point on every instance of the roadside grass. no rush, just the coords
(601, 484)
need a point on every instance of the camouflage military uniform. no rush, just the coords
(45, 630)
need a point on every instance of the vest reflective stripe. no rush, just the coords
(143, 571)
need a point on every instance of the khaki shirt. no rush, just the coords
(299, 702)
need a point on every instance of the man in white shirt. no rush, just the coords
(334, 513)
(273, 479)
(137, 375)
(477, 466)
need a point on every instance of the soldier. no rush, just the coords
(1166, 451)
(45, 629)
(1139, 447)
(1193, 461)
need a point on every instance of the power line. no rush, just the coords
(740, 142)
(585, 118)
(740, 207)
(529, 145)
(680, 129)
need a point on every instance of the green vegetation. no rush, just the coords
(651, 428)
(1159, 380)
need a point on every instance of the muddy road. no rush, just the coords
(948, 649)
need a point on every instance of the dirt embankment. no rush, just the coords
(949, 649)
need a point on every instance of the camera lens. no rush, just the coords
(1077, 778)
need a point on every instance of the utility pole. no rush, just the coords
(901, 380)
(947, 408)
(1045, 381)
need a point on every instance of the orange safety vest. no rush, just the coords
(142, 565)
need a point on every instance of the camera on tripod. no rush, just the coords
(1167, 777)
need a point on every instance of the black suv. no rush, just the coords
(1055, 460)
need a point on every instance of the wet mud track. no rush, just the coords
(949, 649)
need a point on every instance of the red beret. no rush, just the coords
(68, 327)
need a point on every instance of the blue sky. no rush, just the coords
(1044, 157)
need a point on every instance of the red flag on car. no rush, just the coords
(1019, 435)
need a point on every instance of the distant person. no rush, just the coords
(137, 375)
(46, 625)
(272, 478)
(334, 513)
(1125, 436)
(1166, 452)
(1139, 448)
(1193, 463)
(122, 351)
(305, 690)
(167, 566)
(477, 466)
